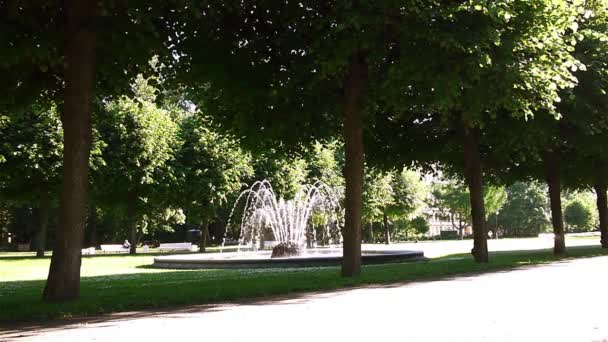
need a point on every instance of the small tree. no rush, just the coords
(525, 212)
(210, 169)
(31, 146)
(453, 198)
(140, 140)
(579, 213)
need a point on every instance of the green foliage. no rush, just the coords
(139, 139)
(419, 225)
(286, 173)
(580, 213)
(409, 193)
(31, 146)
(33, 40)
(414, 228)
(378, 195)
(584, 128)
(525, 212)
(398, 195)
(453, 199)
(210, 168)
(325, 164)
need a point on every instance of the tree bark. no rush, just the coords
(43, 217)
(552, 173)
(354, 85)
(602, 209)
(132, 218)
(63, 282)
(474, 178)
(387, 232)
(204, 232)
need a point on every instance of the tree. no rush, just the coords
(140, 141)
(585, 128)
(210, 169)
(286, 174)
(378, 195)
(55, 52)
(577, 217)
(453, 199)
(579, 213)
(476, 63)
(309, 70)
(30, 174)
(510, 85)
(419, 225)
(392, 197)
(325, 164)
(525, 212)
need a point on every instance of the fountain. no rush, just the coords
(289, 221)
(303, 231)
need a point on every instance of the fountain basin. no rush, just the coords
(261, 259)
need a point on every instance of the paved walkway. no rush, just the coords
(563, 301)
(434, 249)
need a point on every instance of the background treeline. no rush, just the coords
(161, 167)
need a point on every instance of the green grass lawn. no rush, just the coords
(123, 282)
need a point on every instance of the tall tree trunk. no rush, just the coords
(63, 282)
(132, 218)
(602, 209)
(204, 232)
(371, 232)
(43, 217)
(354, 84)
(387, 232)
(474, 178)
(552, 173)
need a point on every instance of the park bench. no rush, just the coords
(88, 251)
(23, 247)
(114, 249)
(179, 246)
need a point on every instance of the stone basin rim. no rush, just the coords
(191, 261)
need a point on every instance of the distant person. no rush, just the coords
(126, 245)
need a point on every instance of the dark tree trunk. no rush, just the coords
(387, 232)
(474, 178)
(460, 227)
(354, 84)
(371, 232)
(602, 209)
(63, 282)
(133, 219)
(93, 226)
(204, 232)
(44, 212)
(552, 173)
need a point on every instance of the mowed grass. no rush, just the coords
(125, 283)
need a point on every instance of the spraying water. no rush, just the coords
(310, 219)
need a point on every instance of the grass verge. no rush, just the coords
(122, 283)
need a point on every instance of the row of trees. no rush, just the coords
(158, 166)
(437, 83)
(151, 164)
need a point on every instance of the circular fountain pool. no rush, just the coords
(261, 259)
